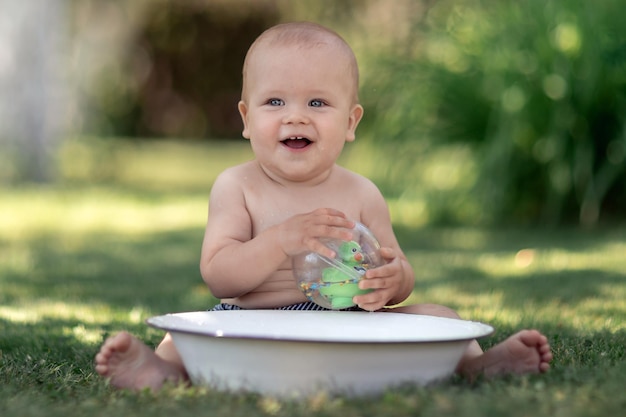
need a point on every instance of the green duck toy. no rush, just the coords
(341, 283)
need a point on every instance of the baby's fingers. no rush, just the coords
(331, 212)
(387, 253)
(330, 223)
(386, 270)
(373, 283)
(314, 245)
(372, 301)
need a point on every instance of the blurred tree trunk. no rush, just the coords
(32, 106)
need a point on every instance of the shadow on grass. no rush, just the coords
(569, 287)
(157, 271)
(506, 240)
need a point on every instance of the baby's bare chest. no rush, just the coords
(268, 208)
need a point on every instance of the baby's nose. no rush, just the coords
(295, 115)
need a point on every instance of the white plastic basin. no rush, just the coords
(296, 353)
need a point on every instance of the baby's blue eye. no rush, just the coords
(316, 103)
(275, 102)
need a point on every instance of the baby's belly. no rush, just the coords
(280, 290)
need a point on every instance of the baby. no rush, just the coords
(299, 106)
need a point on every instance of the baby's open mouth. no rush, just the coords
(296, 142)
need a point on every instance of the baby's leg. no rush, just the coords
(129, 363)
(527, 351)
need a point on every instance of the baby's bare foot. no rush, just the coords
(527, 351)
(129, 363)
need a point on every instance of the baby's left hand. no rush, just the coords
(387, 281)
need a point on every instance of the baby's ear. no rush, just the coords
(243, 111)
(353, 121)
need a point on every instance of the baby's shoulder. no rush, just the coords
(351, 180)
(236, 173)
(234, 179)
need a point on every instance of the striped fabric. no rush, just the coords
(307, 305)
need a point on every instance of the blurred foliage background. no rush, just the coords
(477, 112)
(532, 94)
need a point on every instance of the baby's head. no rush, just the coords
(299, 103)
(303, 36)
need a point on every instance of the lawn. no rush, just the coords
(118, 241)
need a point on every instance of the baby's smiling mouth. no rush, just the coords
(296, 142)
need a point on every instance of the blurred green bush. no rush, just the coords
(533, 92)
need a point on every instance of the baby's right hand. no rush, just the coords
(302, 232)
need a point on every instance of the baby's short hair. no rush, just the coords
(305, 35)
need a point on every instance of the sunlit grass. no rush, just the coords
(92, 313)
(80, 210)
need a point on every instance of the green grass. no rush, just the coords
(119, 239)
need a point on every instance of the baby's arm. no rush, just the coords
(394, 281)
(235, 261)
